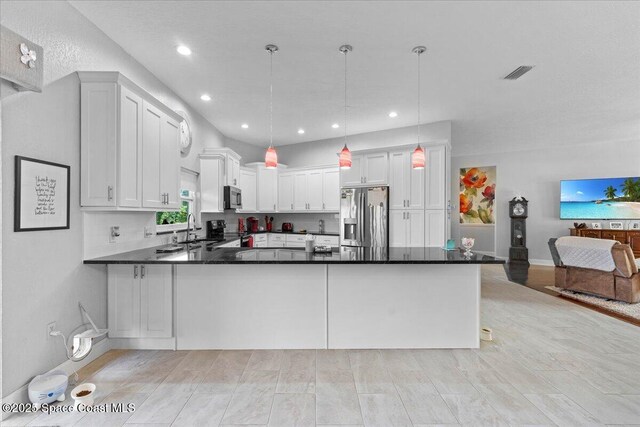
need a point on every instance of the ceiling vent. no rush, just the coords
(518, 72)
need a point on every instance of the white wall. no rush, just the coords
(324, 152)
(43, 276)
(536, 175)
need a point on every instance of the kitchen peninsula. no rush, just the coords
(281, 298)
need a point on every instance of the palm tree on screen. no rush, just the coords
(610, 192)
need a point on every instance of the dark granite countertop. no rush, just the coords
(213, 254)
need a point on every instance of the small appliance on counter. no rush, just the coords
(252, 224)
(268, 223)
(215, 230)
(246, 241)
(241, 228)
(287, 227)
(232, 197)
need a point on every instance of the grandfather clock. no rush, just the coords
(518, 212)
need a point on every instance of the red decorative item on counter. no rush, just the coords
(252, 224)
(241, 228)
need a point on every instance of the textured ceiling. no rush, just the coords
(585, 85)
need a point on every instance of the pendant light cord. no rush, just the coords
(418, 99)
(271, 98)
(345, 97)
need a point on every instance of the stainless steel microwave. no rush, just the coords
(232, 197)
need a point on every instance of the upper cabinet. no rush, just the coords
(366, 170)
(267, 188)
(247, 185)
(406, 185)
(436, 183)
(129, 153)
(220, 167)
(309, 190)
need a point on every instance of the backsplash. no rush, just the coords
(301, 221)
(97, 228)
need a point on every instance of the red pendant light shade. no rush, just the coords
(345, 158)
(271, 158)
(418, 159)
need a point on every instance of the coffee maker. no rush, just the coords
(215, 229)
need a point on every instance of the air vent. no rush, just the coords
(518, 72)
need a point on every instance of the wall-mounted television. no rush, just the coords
(601, 198)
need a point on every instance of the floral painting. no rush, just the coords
(477, 195)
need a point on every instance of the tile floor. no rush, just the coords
(552, 363)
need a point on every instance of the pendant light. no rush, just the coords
(271, 157)
(344, 159)
(418, 160)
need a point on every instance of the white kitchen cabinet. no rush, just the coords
(140, 301)
(129, 152)
(129, 183)
(314, 190)
(366, 170)
(211, 180)
(352, 176)
(331, 190)
(435, 227)
(406, 185)
(295, 240)
(275, 240)
(266, 186)
(406, 228)
(327, 240)
(220, 167)
(375, 168)
(98, 133)
(248, 188)
(300, 191)
(285, 192)
(436, 184)
(233, 170)
(169, 162)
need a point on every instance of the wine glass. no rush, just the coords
(467, 243)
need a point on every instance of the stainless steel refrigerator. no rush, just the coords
(364, 217)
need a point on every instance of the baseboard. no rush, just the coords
(21, 395)
(143, 343)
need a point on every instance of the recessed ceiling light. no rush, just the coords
(205, 97)
(393, 114)
(300, 131)
(184, 50)
(245, 126)
(335, 126)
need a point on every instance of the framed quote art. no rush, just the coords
(41, 195)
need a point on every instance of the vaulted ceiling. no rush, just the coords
(585, 85)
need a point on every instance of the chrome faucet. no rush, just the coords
(190, 234)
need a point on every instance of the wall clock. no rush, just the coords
(185, 133)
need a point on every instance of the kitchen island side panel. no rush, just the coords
(403, 306)
(251, 307)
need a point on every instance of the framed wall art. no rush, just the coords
(41, 195)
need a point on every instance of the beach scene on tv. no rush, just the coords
(606, 198)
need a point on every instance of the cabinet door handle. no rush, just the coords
(135, 271)
(142, 271)
(274, 207)
(109, 193)
(323, 206)
(404, 215)
(291, 206)
(408, 213)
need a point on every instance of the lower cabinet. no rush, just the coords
(140, 301)
(406, 228)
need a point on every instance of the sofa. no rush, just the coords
(622, 284)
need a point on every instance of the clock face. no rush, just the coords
(185, 136)
(518, 209)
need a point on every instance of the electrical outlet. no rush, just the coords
(148, 232)
(114, 233)
(50, 328)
